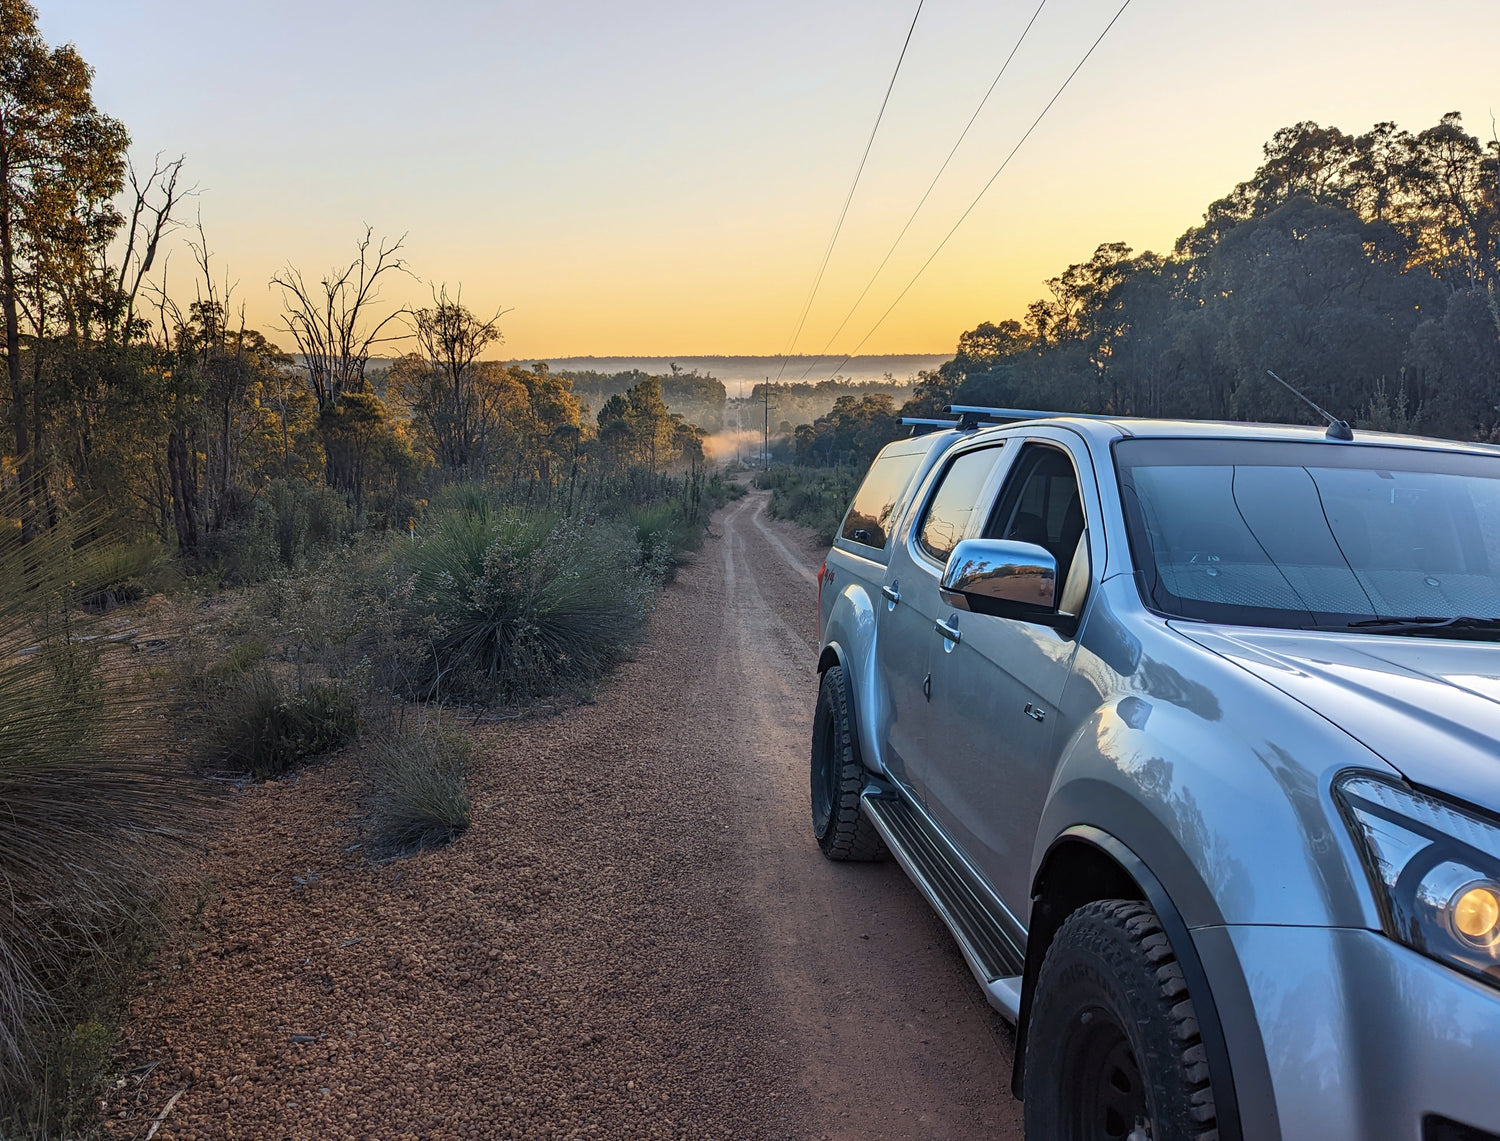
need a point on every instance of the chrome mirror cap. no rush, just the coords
(1000, 576)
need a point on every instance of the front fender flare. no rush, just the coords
(1045, 922)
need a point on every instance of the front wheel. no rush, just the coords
(838, 777)
(1113, 1051)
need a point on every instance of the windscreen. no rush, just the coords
(869, 519)
(1279, 533)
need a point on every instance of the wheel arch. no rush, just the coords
(832, 655)
(1085, 864)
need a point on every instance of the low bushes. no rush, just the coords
(485, 601)
(523, 605)
(814, 497)
(265, 727)
(125, 572)
(302, 519)
(282, 528)
(665, 532)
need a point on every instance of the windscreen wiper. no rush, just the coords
(1461, 626)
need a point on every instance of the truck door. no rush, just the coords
(910, 606)
(995, 686)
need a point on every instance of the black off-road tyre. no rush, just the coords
(1113, 1047)
(838, 777)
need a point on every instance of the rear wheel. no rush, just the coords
(838, 777)
(1113, 1051)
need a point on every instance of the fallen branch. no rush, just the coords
(78, 639)
(162, 1116)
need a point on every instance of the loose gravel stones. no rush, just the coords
(574, 966)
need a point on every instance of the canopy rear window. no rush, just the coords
(869, 519)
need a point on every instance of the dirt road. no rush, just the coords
(636, 938)
(893, 1037)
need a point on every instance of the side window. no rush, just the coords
(956, 499)
(869, 518)
(1040, 504)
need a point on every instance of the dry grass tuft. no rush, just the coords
(417, 789)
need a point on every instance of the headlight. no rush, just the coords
(1435, 868)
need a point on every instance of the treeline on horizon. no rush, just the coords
(701, 399)
(1364, 269)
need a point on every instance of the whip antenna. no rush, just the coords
(1337, 429)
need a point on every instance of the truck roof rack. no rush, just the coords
(921, 425)
(971, 416)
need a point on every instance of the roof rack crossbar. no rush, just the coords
(972, 415)
(921, 425)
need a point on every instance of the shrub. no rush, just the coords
(241, 658)
(329, 714)
(814, 497)
(124, 572)
(523, 605)
(417, 791)
(289, 523)
(303, 519)
(347, 614)
(266, 728)
(664, 533)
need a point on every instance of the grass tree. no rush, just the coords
(86, 800)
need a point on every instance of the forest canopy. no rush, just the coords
(1362, 268)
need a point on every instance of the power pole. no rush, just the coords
(765, 431)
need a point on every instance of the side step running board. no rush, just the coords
(964, 904)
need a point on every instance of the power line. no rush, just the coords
(985, 189)
(848, 198)
(930, 187)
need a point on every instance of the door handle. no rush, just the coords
(892, 594)
(948, 631)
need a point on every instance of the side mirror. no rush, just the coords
(1003, 578)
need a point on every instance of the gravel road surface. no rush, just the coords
(637, 938)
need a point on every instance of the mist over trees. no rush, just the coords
(698, 397)
(1362, 268)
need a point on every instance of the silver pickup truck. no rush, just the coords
(1191, 735)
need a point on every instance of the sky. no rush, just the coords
(662, 177)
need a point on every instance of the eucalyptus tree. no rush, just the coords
(61, 162)
(457, 404)
(335, 324)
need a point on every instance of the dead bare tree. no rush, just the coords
(154, 203)
(331, 322)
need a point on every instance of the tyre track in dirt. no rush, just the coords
(636, 938)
